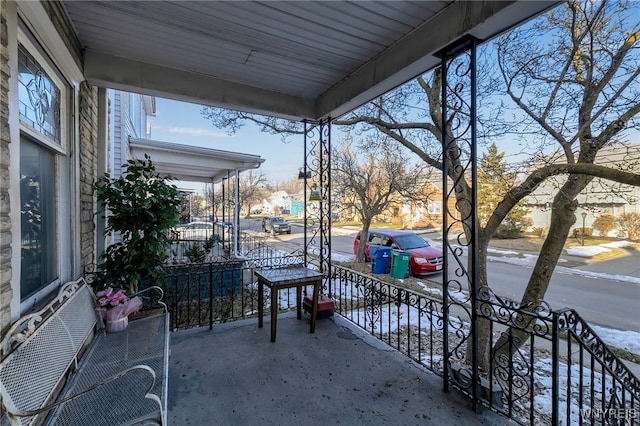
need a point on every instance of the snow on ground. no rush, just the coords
(587, 251)
(396, 315)
(617, 244)
(627, 340)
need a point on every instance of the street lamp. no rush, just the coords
(584, 216)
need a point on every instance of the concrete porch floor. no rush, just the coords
(234, 375)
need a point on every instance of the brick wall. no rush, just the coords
(5, 224)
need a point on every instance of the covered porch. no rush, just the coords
(233, 375)
(309, 62)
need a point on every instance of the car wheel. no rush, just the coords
(289, 231)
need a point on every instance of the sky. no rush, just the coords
(180, 122)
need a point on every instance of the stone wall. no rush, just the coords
(5, 223)
(88, 174)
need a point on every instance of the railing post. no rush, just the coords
(459, 182)
(555, 369)
(317, 185)
(210, 296)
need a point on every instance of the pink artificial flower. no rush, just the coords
(105, 293)
(109, 298)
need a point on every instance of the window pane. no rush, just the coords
(39, 97)
(38, 218)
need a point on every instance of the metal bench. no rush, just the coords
(59, 368)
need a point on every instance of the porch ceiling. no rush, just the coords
(190, 163)
(293, 59)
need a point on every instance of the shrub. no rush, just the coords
(577, 232)
(508, 232)
(538, 231)
(630, 223)
(195, 253)
(604, 224)
(397, 220)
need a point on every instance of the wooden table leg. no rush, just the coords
(314, 305)
(274, 311)
(260, 302)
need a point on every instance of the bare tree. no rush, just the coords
(582, 91)
(252, 190)
(291, 186)
(371, 181)
(573, 75)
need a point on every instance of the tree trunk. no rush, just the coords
(484, 340)
(364, 237)
(562, 219)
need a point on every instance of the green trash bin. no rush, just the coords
(400, 263)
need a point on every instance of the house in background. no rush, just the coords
(426, 211)
(277, 203)
(128, 118)
(598, 198)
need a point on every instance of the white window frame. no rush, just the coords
(434, 207)
(63, 170)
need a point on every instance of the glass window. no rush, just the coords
(434, 207)
(38, 249)
(46, 250)
(411, 241)
(39, 97)
(375, 239)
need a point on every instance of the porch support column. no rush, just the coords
(224, 217)
(317, 197)
(102, 167)
(459, 182)
(236, 213)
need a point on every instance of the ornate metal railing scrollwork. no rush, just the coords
(459, 221)
(317, 197)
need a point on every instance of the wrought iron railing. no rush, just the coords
(250, 245)
(546, 367)
(203, 294)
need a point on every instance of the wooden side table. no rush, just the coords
(282, 278)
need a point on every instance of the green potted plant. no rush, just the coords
(142, 207)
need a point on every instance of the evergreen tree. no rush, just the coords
(495, 180)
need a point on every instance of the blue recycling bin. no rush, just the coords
(380, 259)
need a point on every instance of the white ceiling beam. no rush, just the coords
(139, 77)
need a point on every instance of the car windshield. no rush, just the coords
(278, 219)
(411, 241)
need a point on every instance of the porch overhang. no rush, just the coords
(191, 163)
(290, 59)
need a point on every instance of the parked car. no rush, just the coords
(275, 225)
(194, 231)
(425, 259)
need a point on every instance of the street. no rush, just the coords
(603, 301)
